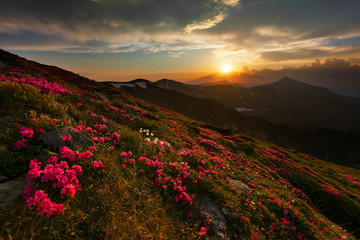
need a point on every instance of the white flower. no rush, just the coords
(147, 139)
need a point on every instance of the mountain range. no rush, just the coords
(286, 101)
(315, 140)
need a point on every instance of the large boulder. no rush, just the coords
(218, 221)
(54, 138)
(10, 192)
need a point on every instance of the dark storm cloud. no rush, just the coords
(305, 18)
(109, 15)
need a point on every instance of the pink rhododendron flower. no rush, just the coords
(67, 153)
(67, 138)
(40, 130)
(43, 204)
(53, 159)
(34, 169)
(123, 154)
(78, 169)
(69, 190)
(97, 164)
(20, 144)
(85, 155)
(26, 132)
(116, 136)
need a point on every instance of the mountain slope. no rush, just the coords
(286, 101)
(146, 172)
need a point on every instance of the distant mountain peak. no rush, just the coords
(290, 80)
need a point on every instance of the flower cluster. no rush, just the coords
(206, 226)
(59, 174)
(40, 83)
(26, 134)
(138, 110)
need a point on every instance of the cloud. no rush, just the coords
(232, 3)
(339, 75)
(243, 31)
(205, 24)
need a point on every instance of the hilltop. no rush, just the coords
(94, 162)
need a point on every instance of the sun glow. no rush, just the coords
(226, 68)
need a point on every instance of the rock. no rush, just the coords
(3, 179)
(45, 154)
(10, 119)
(54, 138)
(249, 176)
(239, 185)
(10, 192)
(218, 221)
(69, 117)
(103, 97)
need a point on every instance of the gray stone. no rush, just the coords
(54, 138)
(218, 221)
(239, 185)
(10, 119)
(3, 179)
(45, 154)
(10, 192)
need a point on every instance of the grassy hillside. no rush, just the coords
(154, 174)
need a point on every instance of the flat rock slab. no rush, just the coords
(10, 192)
(239, 185)
(218, 221)
(54, 138)
(10, 119)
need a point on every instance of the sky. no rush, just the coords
(119, 40)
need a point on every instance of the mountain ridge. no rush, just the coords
(213, 112)
(286, 101)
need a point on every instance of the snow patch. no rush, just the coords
(242, 109)
(119, 85)
(141, 84)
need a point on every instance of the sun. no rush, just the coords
(226, 68)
